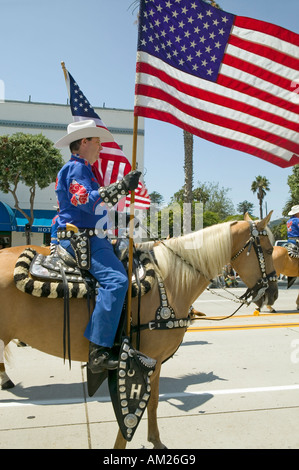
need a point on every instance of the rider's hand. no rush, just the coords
(131, 180)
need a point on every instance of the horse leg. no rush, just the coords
(271, 309)
(120, 442)
(153, 430)
(5, 382)
(297, 302)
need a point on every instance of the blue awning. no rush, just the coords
(13, 220)
(7, 218)
(42, 221)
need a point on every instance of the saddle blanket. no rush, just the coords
(293, 250)
(40, 275)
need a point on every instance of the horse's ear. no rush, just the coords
(263, 223)
(247, 217)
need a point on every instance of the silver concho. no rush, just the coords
(130, 420)
(165, 313)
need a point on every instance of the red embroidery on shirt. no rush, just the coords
(74, 187)
(80, 194)
(74, 200)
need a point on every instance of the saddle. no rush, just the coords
(46, 276)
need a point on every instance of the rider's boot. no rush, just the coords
(101, 358)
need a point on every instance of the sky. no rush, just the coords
(97, 40)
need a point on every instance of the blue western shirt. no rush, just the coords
(77, 193)
(293, 228)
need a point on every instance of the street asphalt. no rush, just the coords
(233, 384)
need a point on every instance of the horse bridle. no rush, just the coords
(261, 286)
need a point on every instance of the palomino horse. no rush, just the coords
(186, 265)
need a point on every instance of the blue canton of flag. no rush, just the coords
(189, 36)
(80, 105)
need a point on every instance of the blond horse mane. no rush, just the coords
(207, 250)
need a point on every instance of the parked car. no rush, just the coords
(281, 242)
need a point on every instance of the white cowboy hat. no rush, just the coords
(80, 129)
(294, 210)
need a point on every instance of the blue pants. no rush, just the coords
(113, 280)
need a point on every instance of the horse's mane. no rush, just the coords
(207, 250)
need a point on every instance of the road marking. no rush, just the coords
(233, 391)
(106, 399)
(242, 327)
(249, 326)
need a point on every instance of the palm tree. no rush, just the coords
(188, 168)
(260, 186)
(245, 206)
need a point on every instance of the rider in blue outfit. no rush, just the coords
(293, 225)
(82, 202)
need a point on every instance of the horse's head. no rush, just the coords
(252, 259)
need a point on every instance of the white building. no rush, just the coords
(51, 120)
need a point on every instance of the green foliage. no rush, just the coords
(213, 197)
(30, 159)
(234, 217)
(156, 198)
(293, 182)
(245, 206)
(260, 186)
(279, 231)
(210, 218)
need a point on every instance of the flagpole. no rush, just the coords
(131, 228)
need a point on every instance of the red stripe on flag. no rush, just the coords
(257, 71)
(241, 146)
(216, 98)
(223, 80)
(255, 92)
(268, 28)
(218, 120)
(265, 51)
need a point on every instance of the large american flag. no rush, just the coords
(228, 79)
(112, 164)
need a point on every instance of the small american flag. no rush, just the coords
(112, 164)
(228, 79)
